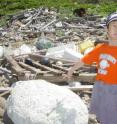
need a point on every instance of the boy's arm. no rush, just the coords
(76, 66)
(87, 59)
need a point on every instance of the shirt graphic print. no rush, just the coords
(105, 60)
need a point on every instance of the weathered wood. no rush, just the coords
(5, 70)
(55, 71)
(68, 64)
(86, 77)
(77, 19)
(79, 88)
(2, 89)
(36, 32)
(60, 68)
(76, 26)
(50, 23)
(87, 91)
(32, 69)
(5, 93)
(76, 73)
(59, 79)
(23, 56)
(62, 38)
(14, 65)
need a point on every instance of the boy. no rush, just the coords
(104, 96)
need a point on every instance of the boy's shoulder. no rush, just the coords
(101, 45)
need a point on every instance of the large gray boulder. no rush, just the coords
(40, 102)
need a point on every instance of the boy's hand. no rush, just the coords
(71, 70)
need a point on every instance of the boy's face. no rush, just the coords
(112, 30)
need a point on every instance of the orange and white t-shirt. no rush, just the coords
(106, 58)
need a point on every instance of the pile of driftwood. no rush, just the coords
(31, 23)
(27, 25)
(32, 66)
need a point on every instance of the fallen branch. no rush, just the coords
(55, 71)
(50, 23)
(79, 88)
(2, 89)
(14, 65)
(5, 70)
(32, 69)
(4, 93)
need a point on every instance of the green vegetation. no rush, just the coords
(102, 7)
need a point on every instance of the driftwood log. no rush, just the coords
(7, 90)
(83, 77)
(14, 65)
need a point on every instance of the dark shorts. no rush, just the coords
(104, 102)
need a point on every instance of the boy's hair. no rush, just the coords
(110, 18)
